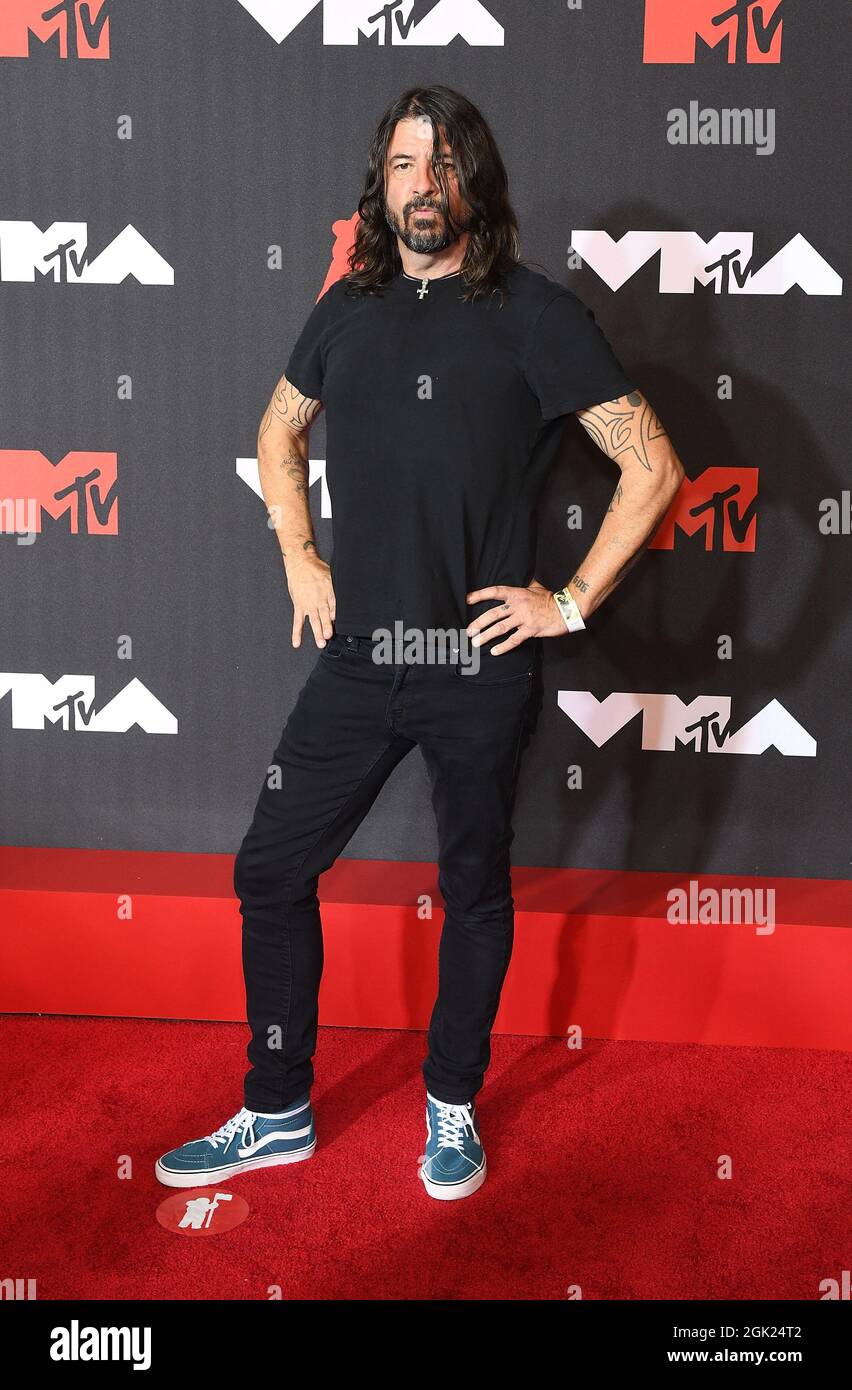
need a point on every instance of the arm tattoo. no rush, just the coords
(306, 545)
(296, 468)
(579, 583)
(290, 407)
(624, 428)
(617, 496)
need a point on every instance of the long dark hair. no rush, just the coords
(493, 245)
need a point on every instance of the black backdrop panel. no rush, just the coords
(216, 144)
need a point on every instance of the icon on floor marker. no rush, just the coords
(197, 1213)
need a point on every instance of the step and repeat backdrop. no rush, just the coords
(179, 183)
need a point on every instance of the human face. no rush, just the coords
(413, 196)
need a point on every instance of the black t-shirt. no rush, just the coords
(442, 420)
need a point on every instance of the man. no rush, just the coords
(447, 369)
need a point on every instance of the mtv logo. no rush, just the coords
(82, 487)
(65, 30)
(721, 502)
(741, 31)
(393, 25)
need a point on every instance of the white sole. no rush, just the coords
(461, 1189)
(212, 1177)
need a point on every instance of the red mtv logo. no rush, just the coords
(72, 28)
(83, 486)
(722, 502)
(751, 29)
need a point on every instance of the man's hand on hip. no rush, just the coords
(530, 612)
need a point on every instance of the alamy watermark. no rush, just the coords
(727, 125)
(425, 646)
(722, 906)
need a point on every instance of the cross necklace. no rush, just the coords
(424, 283)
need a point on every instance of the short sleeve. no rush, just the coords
(569, 363)
(306, 364)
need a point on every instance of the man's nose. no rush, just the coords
(427, 184)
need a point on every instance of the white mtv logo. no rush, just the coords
(70, 703)
(247, 469)
(344, 21)
(725, 260)
(704, 724)
(63, 251)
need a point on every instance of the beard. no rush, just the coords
(423, 233)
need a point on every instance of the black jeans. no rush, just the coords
(353, 721)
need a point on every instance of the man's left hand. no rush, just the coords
(530, 612)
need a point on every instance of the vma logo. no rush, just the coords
(726, 262)
(70, 29)
(687, 31)
(704, 725)
(721, 502)
(397, 23)
(62, 252)
(82, 489)
(70, 704)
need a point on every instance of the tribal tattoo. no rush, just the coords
(629, 431)
(626, 428)
(291, 408)
(297, 413)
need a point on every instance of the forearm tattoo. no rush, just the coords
(296, 468)
(295, 548)
(289, 407)
(627, 428)
(616, 498)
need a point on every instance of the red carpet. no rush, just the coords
(602, 1170)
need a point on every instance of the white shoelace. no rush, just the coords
(453, 1120)
(244, 1119)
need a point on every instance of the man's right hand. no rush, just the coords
(312, 592)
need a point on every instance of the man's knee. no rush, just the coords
(270, 882)
(481, 892)
(257, 877)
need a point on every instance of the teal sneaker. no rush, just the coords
(248, 1140)
(454, 1162)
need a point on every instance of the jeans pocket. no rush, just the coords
(515, 667)
(490, 673)
(334, 648)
